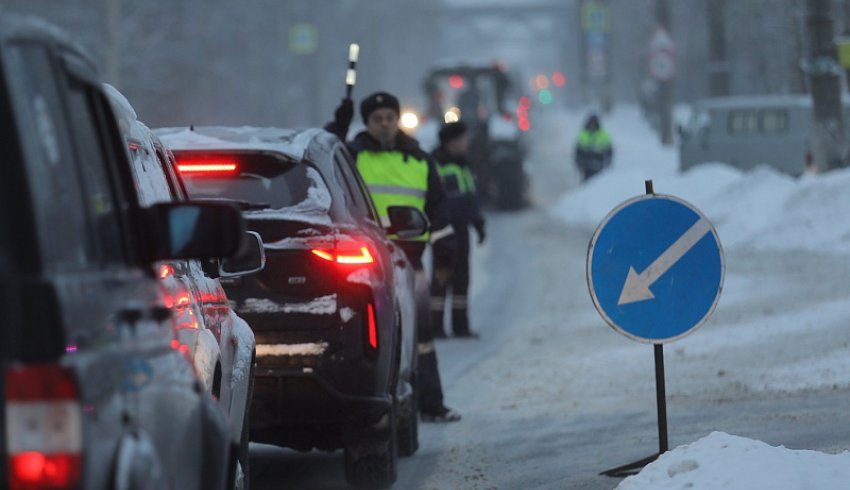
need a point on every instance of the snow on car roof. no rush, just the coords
(291, 142)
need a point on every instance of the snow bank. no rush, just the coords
(723, 461)
(761, 209)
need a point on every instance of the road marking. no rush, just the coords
(637, 286)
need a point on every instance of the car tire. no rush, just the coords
(374, 464)
(408, 426)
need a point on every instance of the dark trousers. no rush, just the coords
(456, 282)
(428, 385)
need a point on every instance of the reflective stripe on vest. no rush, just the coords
(596, 141)
(465, 181)
(394, 181)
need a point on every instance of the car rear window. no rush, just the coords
(258, 181)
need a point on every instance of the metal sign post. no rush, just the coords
(655, 271)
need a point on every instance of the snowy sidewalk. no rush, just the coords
(781, 326)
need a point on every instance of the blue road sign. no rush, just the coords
(655, 268)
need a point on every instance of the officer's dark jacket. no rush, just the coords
(464, 208)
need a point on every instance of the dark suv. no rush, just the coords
(333, 311)
(95, 393)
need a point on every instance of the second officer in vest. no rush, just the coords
(464, 212)
(593, 148)
(399, 173)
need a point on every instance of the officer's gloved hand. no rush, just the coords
(479, 229)
(344, 113)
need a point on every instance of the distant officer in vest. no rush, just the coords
(464, 212)
(593, 148)
(399, 173)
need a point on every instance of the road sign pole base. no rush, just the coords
(631, 468)
(661, 399)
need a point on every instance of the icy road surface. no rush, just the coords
(551, 396)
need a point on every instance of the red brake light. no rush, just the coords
(372, 327)
(35, 470)
(205, 165)
(349, 254)
(456, 81)
(359, 257)
(40, 382)
(166, 271)
(43, 428)
(559, 79)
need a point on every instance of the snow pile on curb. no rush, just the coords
(723, 461)
(761, 209)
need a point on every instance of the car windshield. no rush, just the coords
(255, 181)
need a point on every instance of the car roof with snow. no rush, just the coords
(293, 143)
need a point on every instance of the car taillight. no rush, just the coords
(348, 253)
(166, 271)
(43, 428)
(205, 165)
(372, 326)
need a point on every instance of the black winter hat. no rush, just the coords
(376, 101)
(452, 131)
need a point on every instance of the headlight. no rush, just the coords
(409, 120)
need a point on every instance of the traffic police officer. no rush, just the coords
(464, 211)
(398, 172)
(593, 148)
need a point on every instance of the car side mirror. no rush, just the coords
(250, 258)
(407, 222)
(181, 231)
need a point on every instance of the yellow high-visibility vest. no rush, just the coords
(394, 180)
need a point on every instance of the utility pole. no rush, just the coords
(796, 76)
(718, 65)
(665, 88)
(846, 33)
(822, 68)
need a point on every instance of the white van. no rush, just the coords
(746, 131)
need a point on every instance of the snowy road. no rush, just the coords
(551, 396)
(547, 403)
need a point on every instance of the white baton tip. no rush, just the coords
(350, 77)
(353, 52)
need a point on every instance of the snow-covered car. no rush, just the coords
(333, 311)
(95, 397)
(219, 342)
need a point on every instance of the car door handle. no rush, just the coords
(400, 263)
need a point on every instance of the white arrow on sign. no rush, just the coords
(637, 285)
